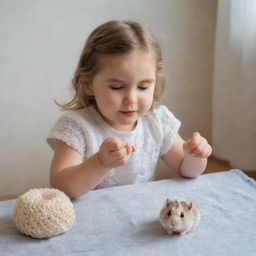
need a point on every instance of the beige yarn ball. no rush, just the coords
(43, 212)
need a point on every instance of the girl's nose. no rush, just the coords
(130, 98)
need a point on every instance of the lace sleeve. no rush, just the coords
(68, 130)
(169, 126)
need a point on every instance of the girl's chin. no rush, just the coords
(123, 122)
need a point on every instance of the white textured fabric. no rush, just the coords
(124, 221)
(84, 130)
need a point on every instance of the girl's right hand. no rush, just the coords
(115, 152)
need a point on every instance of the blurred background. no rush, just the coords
(209, 50)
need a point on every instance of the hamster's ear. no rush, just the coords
(186, 205)
(167, 202)
(175, 204)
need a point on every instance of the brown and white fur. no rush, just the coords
(179, 216)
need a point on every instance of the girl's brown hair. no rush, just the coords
(113, 37)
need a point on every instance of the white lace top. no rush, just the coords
(84, 130)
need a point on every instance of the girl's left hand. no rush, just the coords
(197, 146)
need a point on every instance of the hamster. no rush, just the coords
(179, 216)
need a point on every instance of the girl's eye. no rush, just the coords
(116, 87)
(169, 213)
(182, 215)
(143, 88)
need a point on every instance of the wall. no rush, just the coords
(234, 85)
(39, 49)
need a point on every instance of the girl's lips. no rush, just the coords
(128, 113)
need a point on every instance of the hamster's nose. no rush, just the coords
(173, 222)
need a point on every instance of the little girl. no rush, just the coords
(115, 130)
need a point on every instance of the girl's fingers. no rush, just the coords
(114, 144)
(196, 139)
(122, 155)
(129, 148)
(208, 152)
(205, 153)
(201, 151)
(121, 161)
(190, 145)
(123, 152)
(119, 154)
(199, 148)
(193, 142)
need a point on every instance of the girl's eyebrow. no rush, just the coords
(148, 81)
(114, 80)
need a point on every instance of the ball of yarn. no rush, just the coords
(43, 212)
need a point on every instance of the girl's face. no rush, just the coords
(124, 88)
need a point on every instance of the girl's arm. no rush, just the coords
(188, 158)
(74, 177)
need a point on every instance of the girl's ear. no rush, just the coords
(88, 88)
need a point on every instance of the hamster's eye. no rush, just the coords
(169, 213)
(182, 215)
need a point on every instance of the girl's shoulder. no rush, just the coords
(161, 115)
(72, 127)
(75, 121)
(78, 116)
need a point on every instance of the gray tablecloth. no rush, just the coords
(124, 220)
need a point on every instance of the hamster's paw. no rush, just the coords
(183, 233)
(169, 231)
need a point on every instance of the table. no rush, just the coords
(124, 220)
